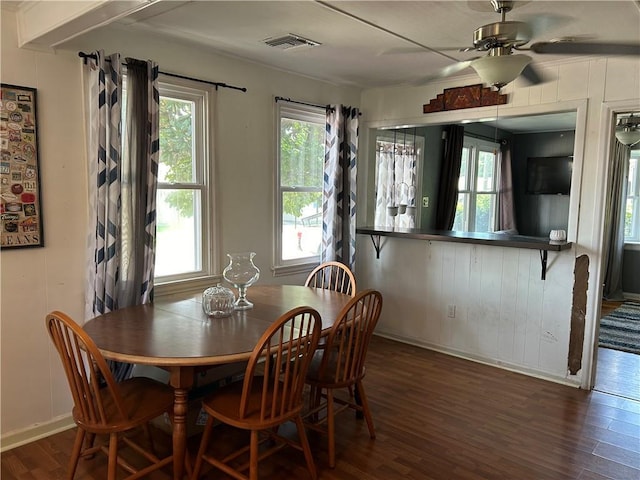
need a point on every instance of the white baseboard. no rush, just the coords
(36, 432)
(485, 361)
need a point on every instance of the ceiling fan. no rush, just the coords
(501, 65)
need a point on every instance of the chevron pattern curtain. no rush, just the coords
(103, 87)
(339, 186)
(123, 167)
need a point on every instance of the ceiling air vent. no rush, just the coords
(290, 41)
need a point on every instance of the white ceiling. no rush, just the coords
(373, 43)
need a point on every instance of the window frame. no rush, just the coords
(634, 239)
(301, 112)
(475, 145)
(204, 182)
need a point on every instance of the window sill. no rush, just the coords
(192, 285)
(632, 246)
(281, 271)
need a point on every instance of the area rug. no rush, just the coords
(620, 330)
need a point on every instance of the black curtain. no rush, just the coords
(449, 173)
(614, 222)
(507, 212)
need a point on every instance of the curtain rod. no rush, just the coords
(216, 84)
(326, 107)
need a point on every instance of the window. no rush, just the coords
(184, 202)
(477, 206)
(632, 210)
(301, 138)
(398, 157)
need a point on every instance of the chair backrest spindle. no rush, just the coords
(284, 352)
(88, 374)
(334, 276)
(347, 343)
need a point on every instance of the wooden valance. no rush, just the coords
(464, 97)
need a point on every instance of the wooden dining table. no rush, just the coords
(175, 334)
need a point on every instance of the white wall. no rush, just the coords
(36, 281)
(506, 315)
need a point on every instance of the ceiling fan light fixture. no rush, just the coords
(628, 130)
(497, 71)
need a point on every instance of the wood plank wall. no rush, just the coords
(504, 313)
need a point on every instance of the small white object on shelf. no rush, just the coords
(558, 236)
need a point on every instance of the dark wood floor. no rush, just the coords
(437, 417)
(608, 306)
(617, 373)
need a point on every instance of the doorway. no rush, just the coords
(618, 372)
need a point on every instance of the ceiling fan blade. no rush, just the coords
(422, 50)
(446, 71)
(403, 51)
(585, 48)
(541, 24)
(532, 75)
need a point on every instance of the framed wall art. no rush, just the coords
(20, 202)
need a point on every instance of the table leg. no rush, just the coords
(180, 407)
(181, 380)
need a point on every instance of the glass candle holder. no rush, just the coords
(241, 273)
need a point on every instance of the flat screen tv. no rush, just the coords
(549, 175)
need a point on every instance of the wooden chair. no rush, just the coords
(270, 395)
(341, 364)
(333, 276)
(101, 405)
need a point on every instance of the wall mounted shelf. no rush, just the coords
(543, 245)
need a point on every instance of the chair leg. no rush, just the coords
(75, 453)
(204, 442)
(187, 463)
(355, 394)
(331, 429)
(314, 398)
(365, 410)
(304, 441)
(253, 456)
(90, 440)
(318, 396)
(147, 432)
(113, 456)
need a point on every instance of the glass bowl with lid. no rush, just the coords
(218, 301)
